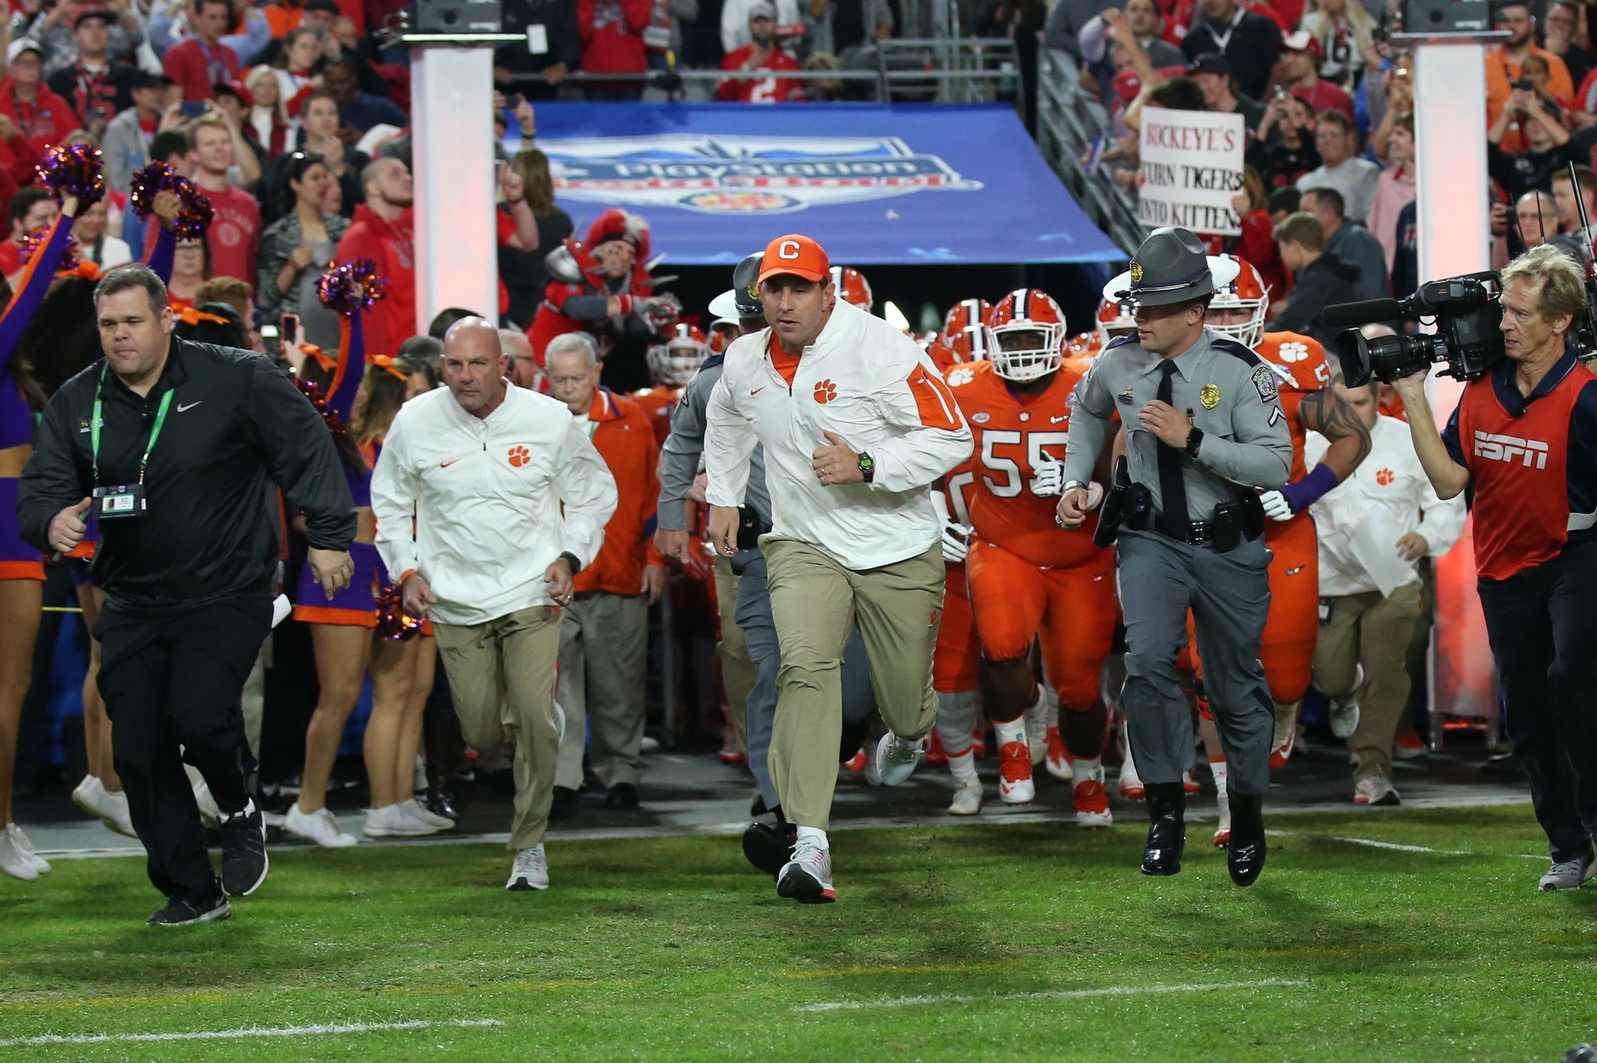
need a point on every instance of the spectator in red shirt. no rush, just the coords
(611, 32)
(42, 117)
(761, 54)
(236, 227)
(1300, 57)
(384, 231)
(203, 60)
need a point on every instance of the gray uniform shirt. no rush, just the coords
(1228, 392)
(679, 458)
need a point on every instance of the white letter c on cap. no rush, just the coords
(788, 250)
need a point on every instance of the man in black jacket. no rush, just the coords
(175, 447)
(1319, 279)
(1247, 40)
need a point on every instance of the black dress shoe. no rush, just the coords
(565, 798)
(1167, 829)
(622, 795)
(769, 848)
(1245, 854)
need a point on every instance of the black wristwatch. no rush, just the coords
(1194, 441)
(572, 560)
(867, 467)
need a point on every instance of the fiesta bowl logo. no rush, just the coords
(743, 174)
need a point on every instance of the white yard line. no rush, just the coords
(1054, 994)
(1372, 843)
(251, 1031)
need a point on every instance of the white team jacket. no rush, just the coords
(487, 495)
(1391, 477)
(874, 387)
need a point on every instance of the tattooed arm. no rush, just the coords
(1328, 413)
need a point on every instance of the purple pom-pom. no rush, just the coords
(392, 620)
(352, 286)
(34, 239)
(74, 170)
(195, 213)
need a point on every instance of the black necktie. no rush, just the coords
(1172, 488)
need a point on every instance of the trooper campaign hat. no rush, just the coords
(1171, 266)
(746, 286)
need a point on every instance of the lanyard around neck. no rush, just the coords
(94, 429)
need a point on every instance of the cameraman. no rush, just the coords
(1524, 440)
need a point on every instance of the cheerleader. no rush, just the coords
(362, 628)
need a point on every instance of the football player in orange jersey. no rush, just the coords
(1114, 320)
(1027, 576)
(1310, 404)
(852, 287)
(960, 341)
(671, 365)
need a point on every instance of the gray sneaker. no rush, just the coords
(1344, 718)
(1568, 874)
(895, 758)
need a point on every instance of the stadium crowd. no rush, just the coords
(288, 123)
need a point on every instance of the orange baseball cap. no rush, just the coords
(795, 254)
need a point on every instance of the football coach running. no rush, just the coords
(1204, 428)
(174, 446)
(856, 424)
(1524, 438)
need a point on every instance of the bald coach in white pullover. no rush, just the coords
(510, 501)
(856, 425)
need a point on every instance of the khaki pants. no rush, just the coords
(737, 667)
(1373, 631)
(816, 602)
(603, 645)
(502, 678)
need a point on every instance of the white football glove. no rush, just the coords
(1276, 507)
(955, 535)
(1049, 481)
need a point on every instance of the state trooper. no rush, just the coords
(1204, 429)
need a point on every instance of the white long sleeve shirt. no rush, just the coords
(1391, 477)
(871, 385)
(496, 500)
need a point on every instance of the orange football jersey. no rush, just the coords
(1301, 369)
(1011, 434)
(659, 403)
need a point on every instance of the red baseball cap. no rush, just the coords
(795, 254)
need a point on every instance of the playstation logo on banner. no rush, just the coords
(721, 174)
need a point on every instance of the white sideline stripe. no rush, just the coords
(1372, 843)
(1052, 994)
(250, 1031)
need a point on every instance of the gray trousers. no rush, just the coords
(1229, 595)
(603, 644)
(759, 629)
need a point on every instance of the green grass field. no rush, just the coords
(1029, 941)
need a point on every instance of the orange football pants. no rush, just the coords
(954, 659)
(1071, 609)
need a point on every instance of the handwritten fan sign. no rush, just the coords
(1191, 170)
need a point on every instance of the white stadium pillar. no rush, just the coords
(452, 140)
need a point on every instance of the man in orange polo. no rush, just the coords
(607, 620)
(1505, 65)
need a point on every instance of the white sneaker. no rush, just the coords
(1037, 726)
(210, 814)
(1222, 826)
(422, 814)
(391, 822)
(895, 758)
(807, 878)
(15, 862)
(648, 745)
(109, 808)
(1015, 784)
(22, 845)
(319, 826)
(1344, 718)
(1130, 784)
(967, 797)
(1568, 875)
(1376, 790)
(530, 871)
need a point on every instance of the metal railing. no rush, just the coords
(919, 69)
(1069, 123)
